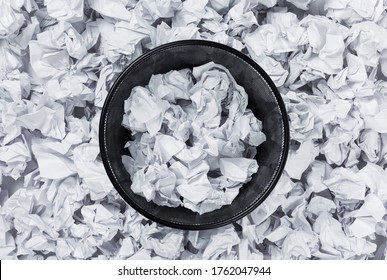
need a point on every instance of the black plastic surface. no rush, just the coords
(264, 100)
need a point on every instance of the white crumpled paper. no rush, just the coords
(58, 61)
(168, 171)
(71, 11)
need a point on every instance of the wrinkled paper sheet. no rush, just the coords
(58, 61)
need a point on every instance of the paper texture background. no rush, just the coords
(59, 59)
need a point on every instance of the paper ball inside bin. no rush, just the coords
(263, 99)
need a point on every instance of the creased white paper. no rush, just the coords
(175, 146)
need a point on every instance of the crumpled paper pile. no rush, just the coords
(59, 59)
(194, 139)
